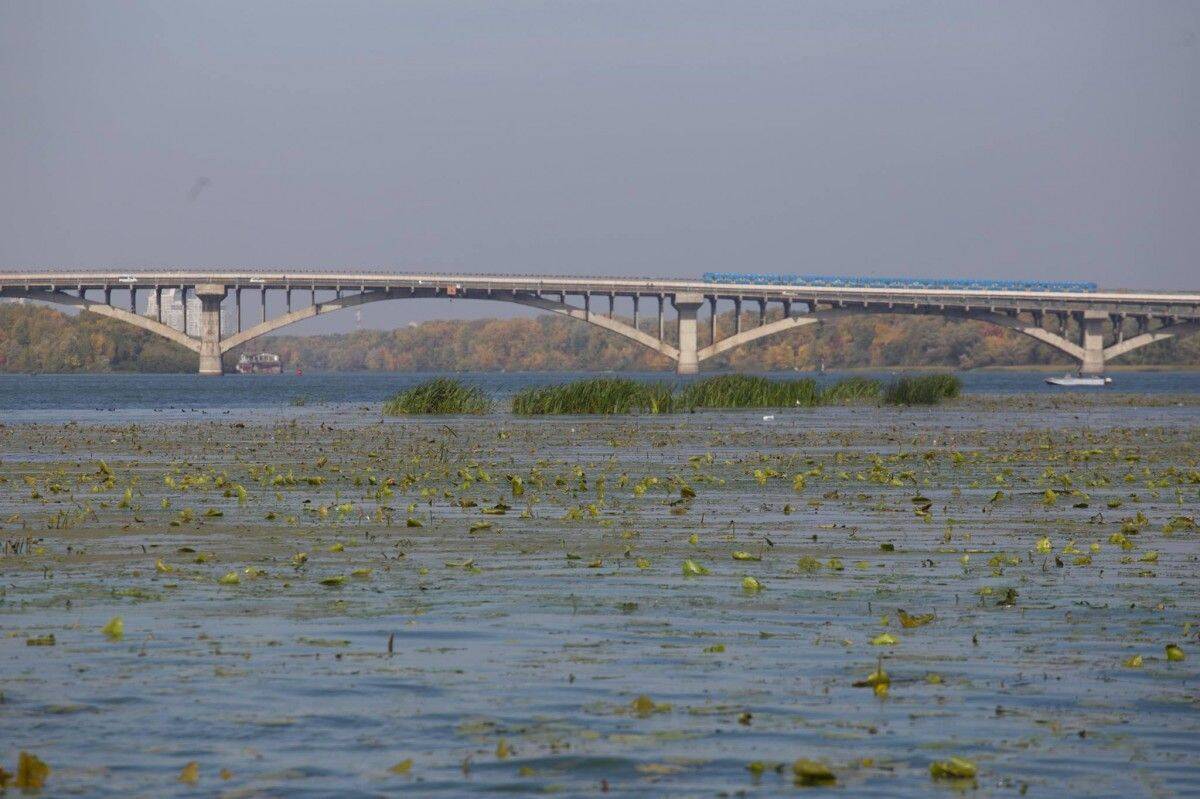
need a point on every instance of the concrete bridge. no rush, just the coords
(1091, 327)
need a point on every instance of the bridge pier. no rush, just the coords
(211, 295)
(686, 305)
(1092, 326)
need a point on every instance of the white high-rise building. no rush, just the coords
(173, 315)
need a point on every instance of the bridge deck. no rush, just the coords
(1081, 323)
(1185, 303)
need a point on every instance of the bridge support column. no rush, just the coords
(1092, 325)
(686, 305)
(211, 295)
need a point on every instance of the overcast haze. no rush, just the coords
(1024, 140)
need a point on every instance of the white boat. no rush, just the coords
(264, 363)
(1098, 381)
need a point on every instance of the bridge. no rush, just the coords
(1093, 327)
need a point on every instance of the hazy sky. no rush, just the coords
(1010, 139)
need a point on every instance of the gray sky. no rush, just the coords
(1007, 139)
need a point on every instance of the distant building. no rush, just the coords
(173, 315)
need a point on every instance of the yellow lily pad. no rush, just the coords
(812, 772)
(956, 768)
(115, 629)
(190, 773)
(32, 772)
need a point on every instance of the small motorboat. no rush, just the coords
(1097, 381)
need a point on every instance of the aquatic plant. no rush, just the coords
(922, 390)
(749, 391)
(441, 396)
(851, 389)
(603, 395)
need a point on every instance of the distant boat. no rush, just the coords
(1096, 381)
(264, 363)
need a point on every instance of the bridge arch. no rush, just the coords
(307, 312)
(112, 312)
(1175, 315)
(609, 323)
(1091, 353)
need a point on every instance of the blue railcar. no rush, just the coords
(971, 284)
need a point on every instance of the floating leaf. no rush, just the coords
(812, 772)
(115, 629)
(884, 639)
(740, 555)
(1009, 599)
(403, 767)
(751, 584)
(1042, 545)
(909, 622)
(503, 750)
(31, 772)
(1174, 652)
(335, 581)
(644, 706)
(190, 773)
(163, 568)
(956, 768)
(808, 564)
(693, 569)
(230, 579)
(877, 677)
(1180, 523)
(1133, 662)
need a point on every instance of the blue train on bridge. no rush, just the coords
(954, 284)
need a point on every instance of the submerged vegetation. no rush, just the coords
(441, 395)
(600, 395)
(922, 390)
